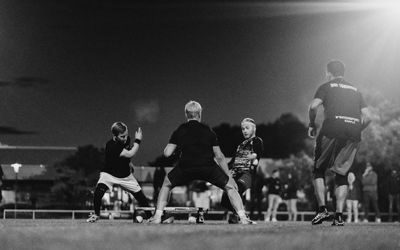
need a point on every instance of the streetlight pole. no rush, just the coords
(16, 167)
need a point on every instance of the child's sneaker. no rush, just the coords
(93, 218)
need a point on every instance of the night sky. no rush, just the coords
(69, 69)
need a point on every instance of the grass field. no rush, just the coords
(122, 234)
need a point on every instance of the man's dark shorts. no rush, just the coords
(181, 175)
(336, 154)
(243, 179)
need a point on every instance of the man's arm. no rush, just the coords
(169, 149)
(312, 114)
(365, 118)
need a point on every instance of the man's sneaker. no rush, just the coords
(154, 220)
(320, 217)
(233, 219)
(246, 221)
(93, 218)
(338, 221)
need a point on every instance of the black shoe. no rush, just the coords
(233, 219)
(320, 217)
(338, 221)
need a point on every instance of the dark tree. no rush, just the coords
(282, 138)
(77, 175)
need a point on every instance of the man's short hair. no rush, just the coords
(336, 68)
(118, 128)
(193, 110)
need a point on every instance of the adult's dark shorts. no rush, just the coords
(243, 179)
(334, 154)
(213, 174)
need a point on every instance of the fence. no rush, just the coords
(80, 214)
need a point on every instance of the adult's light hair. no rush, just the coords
(193, 110)
(118, 128)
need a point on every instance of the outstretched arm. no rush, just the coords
(131, 152)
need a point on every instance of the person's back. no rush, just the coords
(195, 140)
(342, 104)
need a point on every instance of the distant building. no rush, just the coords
(35, 177)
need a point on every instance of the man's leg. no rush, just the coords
(366, 201)
(236, 202)
(269, 209)
(376, 207)
(226, 203)
(319, 189)
(162, 201)
(349, 207)
(391, 198)
(398, 206)
(322, 213)
(340, 193)
(276, 202)
(355, 210)
(293, 205)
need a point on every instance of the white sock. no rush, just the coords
(241, 213)
(158, 213)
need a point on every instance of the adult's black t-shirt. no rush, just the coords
(249, 146)
(116, 165)
(342, 104)
(195, 141)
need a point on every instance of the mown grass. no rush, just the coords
(122, 234)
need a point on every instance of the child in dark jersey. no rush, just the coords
(117, 168)
(244, 163)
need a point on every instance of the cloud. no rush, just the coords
(146, 110)
(6, 130)
(25, 82)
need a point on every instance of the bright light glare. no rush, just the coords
(389, 8)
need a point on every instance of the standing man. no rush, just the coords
(198, 145)
(118, 168)
(370, 192)
(394, 193)
(345, 116)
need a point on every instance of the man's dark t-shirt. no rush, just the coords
(116, 165)
(342, 103)
(241, 162)
(195, 141)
